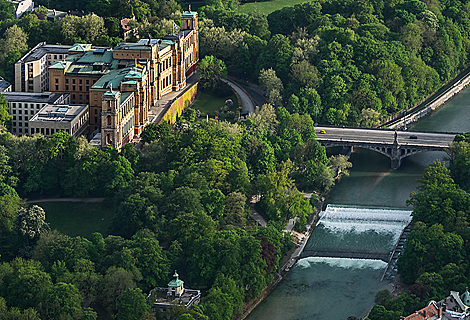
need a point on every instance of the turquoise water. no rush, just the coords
(336, 288)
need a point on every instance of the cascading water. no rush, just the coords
(357, 232)
(341, 286)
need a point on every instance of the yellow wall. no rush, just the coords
(181, 104)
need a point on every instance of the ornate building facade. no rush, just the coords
(120, 85)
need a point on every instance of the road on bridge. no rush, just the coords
(361, 135)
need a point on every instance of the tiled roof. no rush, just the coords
(429, 313)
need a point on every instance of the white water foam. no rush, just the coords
(345, 263)
(334, 212)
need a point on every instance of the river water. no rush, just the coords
(327, 288)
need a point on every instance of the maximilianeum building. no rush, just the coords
(121, 84)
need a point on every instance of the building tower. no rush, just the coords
(111, 101)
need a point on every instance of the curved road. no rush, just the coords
(248, 105)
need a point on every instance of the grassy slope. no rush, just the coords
(208, 103)
(78, 218)
(267, 7)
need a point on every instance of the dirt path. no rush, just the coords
(66, 200)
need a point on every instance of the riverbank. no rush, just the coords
(287, 262)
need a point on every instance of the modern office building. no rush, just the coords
(22, 106)
(31, 71)
(52, 118)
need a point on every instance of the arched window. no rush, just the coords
(109, 139)
(108, 118)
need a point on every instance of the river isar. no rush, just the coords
(365, 215)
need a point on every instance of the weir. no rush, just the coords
(355, 232)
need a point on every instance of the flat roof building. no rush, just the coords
(71, 118)
(31, 71)
(22, 106)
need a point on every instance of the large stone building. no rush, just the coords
(122, 84)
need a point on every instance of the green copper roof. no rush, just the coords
(190, 13)
(60, 65)
(129, 82)
(176, 282)
(111, 94)
(465, 297)
(80, 47)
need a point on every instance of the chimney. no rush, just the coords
(439, 311)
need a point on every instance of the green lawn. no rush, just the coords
(79, 218)
(208, 104)
(266, 7)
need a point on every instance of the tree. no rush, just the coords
(340, 164)
(87, 28)
(211, 71)
(115, 282)
(63, 301)
(31, 223)
(14, 39)
(132, 305)
(235, 213)
(369, 118)
(5, 117)
(272, 84)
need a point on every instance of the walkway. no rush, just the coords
(66, 200)
(256, 93)
(248, 105)
(157, 112)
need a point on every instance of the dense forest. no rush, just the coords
(181, 203)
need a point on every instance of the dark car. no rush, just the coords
(413, 136)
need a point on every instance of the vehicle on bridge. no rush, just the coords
(413, 136)
(322, 131)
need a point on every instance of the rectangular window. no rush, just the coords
(19, 111)
(66, 87)
(14, 111)
(31, 112)
(25, 130)
(80, 81)
(66, 80)
(96, 120)
(73, 81)
(55, 57)
(42, 130)
(20, 124)
(56, 87)
(73, 96)
(14, 124)
(47, 131)
(81, 88)
(14, 117)
(73, 88)
(87, 81)
(56, 80)
(26, 124)
(20, 130)
(20, 118)
(96, 112)
(80, 97)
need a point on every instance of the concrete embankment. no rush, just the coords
(437, 99)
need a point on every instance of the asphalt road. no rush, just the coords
(384, 136)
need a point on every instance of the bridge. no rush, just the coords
(396, 145)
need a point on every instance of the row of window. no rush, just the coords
(80, 88)
(80, 81)
(21, 118)
(45, 131)
(20, 124)
(26, 105)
